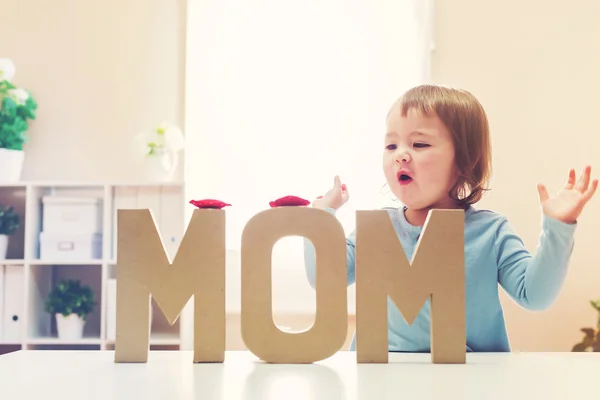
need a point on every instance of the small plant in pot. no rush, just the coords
(70, 303)
(9, 223)
(160, 149)
(591, 340)
(17, 107)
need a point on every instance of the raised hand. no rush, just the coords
(568, 204)
(335, 197)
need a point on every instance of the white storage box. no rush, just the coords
(70, 246)
(72, 214)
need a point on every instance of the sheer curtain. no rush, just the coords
(283, 95)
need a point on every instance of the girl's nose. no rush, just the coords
(402, 157)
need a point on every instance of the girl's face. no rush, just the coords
(418, 160)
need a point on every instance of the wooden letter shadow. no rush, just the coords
(259, 332)
(144, 270)
(437, 271)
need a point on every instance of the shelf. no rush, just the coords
(9, 343)
(62, 346)
(13, 185)
(65, 262)
(36, 276)
(12, 262)
(56, 340)
(6, 348)
(42, 279)
(16, 261)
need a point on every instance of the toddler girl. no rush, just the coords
(436, 155)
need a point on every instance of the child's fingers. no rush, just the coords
(543, 192)
(591, 190)
(584, 180)
(571, 180)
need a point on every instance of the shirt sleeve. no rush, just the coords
(534, 281)
(310, 258)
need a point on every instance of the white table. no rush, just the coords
(65, 375)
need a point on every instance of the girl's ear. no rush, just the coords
(457, 177)
(457, 172)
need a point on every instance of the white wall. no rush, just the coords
(114, 67)
(282, 97)
(534, 65)
(101, 72)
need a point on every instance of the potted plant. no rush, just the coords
(9, 223)
(160, 148)
(591, 340)
(70, 303)
(17, 106)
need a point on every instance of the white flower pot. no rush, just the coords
(3, 246)
(11, 165)
(161, 167)
(69, 328)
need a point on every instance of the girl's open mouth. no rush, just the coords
(404, 179)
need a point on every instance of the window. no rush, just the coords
(282, 96)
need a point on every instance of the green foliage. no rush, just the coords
(596, 305)
(9, 220)
(163, 139)
(14, 115)
(591, 340)
(152, 148)
(70, 297)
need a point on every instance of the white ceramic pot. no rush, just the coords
(161, 167)
(69, 328)
(11, 165)
(3, 246)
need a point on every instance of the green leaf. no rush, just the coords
(9, 220)
(5, 86)
(579, 347)
(589, 332)
(14, 119)
(9, 107)
(70, 297)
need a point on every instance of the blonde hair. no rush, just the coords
(466, 120)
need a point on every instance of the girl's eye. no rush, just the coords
(421, 145)
(391, 147)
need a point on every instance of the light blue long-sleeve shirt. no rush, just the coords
(494, 256)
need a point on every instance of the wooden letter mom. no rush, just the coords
(435, 273)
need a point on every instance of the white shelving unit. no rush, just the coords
(37, 328)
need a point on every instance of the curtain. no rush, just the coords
(281, 96)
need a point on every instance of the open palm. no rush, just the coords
(568, 204)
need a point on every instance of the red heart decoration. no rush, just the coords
(289, 201)
(209, 203)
